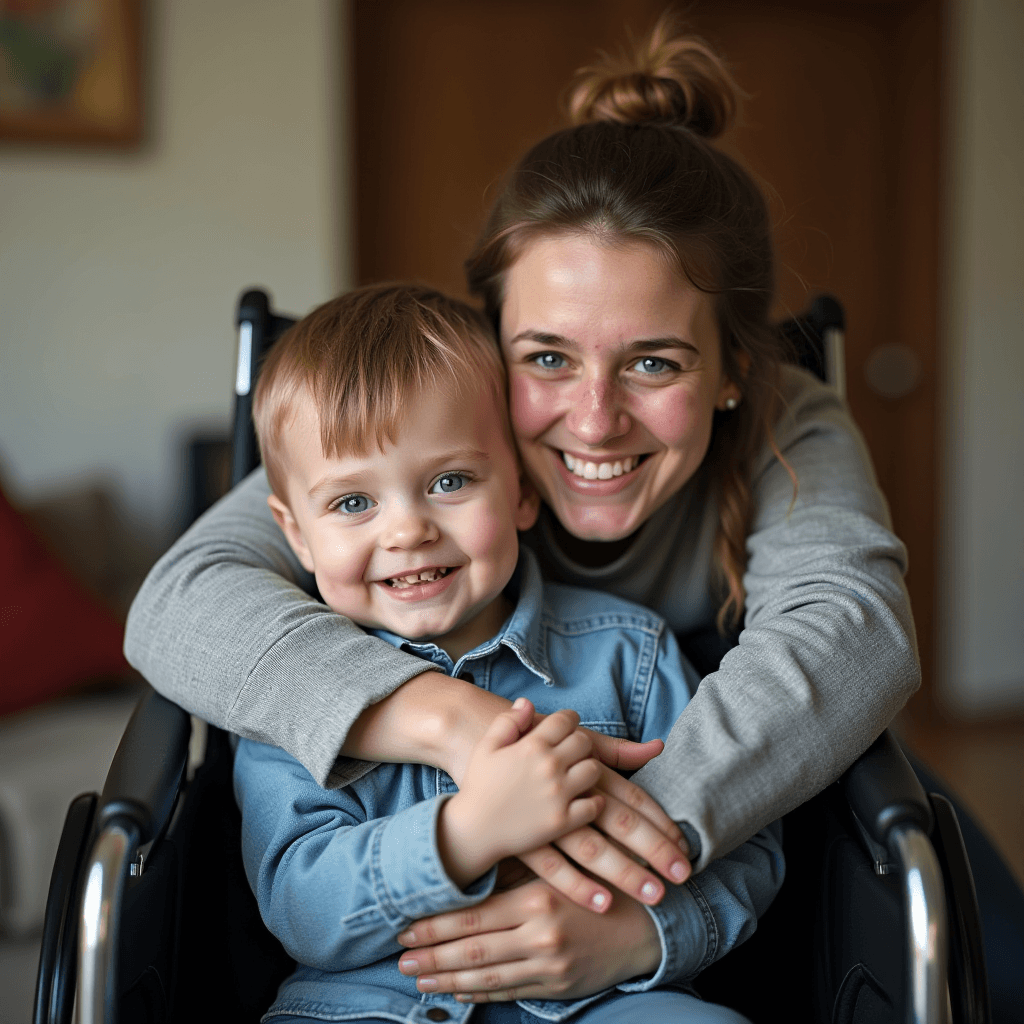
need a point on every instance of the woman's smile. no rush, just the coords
(596, 468)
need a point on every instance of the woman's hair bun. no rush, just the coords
(668, 77)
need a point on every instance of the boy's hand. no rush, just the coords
(522, 788)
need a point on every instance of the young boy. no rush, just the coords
(383, 426)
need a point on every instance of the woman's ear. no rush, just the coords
(529, 503)
(729, 394)
(283, 514)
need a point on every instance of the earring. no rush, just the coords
(731, 403)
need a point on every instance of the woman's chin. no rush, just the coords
(597, 524)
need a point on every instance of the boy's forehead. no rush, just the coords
(470, 420)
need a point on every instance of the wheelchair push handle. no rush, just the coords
(258, 328)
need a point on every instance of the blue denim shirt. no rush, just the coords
(339, 873)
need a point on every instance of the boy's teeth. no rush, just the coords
(413, 579)
(599, 470)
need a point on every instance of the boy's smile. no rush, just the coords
(420, 538)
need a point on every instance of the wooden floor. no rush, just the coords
(983, 764)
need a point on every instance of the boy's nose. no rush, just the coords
(409, 529)
(596, 415)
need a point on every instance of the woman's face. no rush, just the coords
(615, 371)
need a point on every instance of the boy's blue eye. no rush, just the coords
(549, 360)
(448, 483)
(353, 504)
(650, 364)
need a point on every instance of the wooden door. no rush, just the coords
(841, 126)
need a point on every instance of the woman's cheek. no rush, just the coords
(677, 420)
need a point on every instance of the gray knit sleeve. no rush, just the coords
(828, 654)
(225, 627)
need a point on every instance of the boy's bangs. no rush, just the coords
(370, 413)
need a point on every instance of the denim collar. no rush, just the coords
(522, 632)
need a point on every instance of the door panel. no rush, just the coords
(841, 126)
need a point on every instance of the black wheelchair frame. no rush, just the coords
(150, 917)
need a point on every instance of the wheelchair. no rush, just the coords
(150, 917)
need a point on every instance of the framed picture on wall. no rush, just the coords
(70, 71)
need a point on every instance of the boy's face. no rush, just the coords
(440, 507)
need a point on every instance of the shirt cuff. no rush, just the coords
(692, 837)
(686, 930)
(408, 876)
(347, 770)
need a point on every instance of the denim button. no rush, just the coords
(436, 1013)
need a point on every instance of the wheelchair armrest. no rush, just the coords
(147, 768)
(134, 809)
(891, 805)
(884, 792)
(55, 978)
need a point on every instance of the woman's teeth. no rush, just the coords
(599, 470)
(427, 576)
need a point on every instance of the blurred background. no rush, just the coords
(157, 158)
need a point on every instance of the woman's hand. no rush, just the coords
(530, 943)
(631, 824)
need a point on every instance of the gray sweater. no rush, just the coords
(224, 626)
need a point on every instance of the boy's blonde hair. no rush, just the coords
(362, 357)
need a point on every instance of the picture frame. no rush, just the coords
(71, 72)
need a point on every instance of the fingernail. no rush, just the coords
(409, 966)
(649, 891)
(519, 702)
(406, 937)
(426, 984)
(679, 871)
(463, 998)
(599, 900)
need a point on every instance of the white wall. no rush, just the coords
(119, 271)
(983, 539)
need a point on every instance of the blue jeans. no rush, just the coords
(661, 1006)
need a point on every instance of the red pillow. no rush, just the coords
(53, 634)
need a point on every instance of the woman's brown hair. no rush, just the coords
(636, 165)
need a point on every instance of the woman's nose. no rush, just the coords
(409, 528)
(596, 415)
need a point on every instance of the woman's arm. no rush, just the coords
(828, 654)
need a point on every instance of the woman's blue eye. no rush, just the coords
(549, 360)
(650, 364)
(448, 483)
(355, 503)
